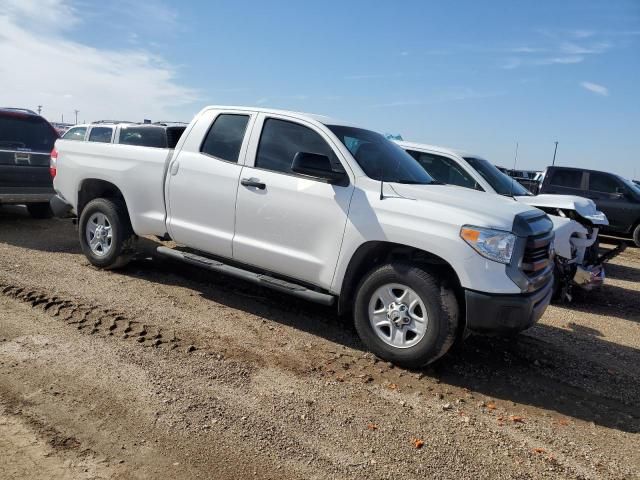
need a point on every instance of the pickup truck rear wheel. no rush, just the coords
(405, 315)
(636, 236)
(106, 236)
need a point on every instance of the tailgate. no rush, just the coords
(24, 169)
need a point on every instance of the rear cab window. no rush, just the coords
(101, 134)
(143, 136)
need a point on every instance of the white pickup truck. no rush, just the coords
(322, 210)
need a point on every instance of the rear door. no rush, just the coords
(608, 193)
(202, 181)
(565, 181)
(26, 142)
(288, 223)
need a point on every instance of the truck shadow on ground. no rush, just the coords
(17, 228)
(610, 300)
(556, 375)
(623, 272)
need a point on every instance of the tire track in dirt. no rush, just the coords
(94, 319)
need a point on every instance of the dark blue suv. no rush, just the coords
(614, 195)
(26, 141)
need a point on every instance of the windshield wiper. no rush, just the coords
(412, 182)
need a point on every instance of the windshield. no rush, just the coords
(500, 182)
(634, 187)
(379, 158)
(28, 133)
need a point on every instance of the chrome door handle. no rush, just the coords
(174, 167)
(252, 182)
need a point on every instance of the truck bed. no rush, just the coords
(137, 171)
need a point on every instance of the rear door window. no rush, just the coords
(567, 179)
(76, 133)
(26, 133)
(101, 134)
(225, 137)
(143, 136)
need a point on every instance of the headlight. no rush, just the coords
(495, 245)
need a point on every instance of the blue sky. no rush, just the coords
(472, 75)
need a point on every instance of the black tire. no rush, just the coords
(123, 239)
(636, 236)
(442, 313)
(39, 210)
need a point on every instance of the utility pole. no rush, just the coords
(62, 120)
(554, 154)
(39, 109)
(76, 112)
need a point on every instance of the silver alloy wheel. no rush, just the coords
(398, 315)
(99, 234)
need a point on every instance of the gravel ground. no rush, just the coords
(163, 371)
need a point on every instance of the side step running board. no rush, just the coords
(260, 279)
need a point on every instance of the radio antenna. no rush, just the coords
(381, 180)
(515, 162)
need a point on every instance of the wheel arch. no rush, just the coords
(92, 188)
(372, 254)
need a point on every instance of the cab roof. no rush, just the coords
(324, 119)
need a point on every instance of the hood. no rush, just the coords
(585, 207)
(473, 207)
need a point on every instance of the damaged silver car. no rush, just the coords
(576, 220)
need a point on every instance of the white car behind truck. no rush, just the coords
(321, 210)
(576, 220)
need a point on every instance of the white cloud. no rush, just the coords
(560, 60)
(44, 66)
(582, 33)
(55, 14)
(512, 63)
(525, 50)
(454, 94)
(574, 49)
(373, 76)
(595, 88)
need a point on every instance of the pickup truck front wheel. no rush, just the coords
(106, 236)
(405, 315)
(636, 235)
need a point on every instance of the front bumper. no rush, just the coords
(502, 314)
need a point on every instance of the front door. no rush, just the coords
(609, 195)
(288, 223)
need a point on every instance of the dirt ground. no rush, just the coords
(162, 371)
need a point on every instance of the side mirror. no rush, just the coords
(620, 193)
(318, 166)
